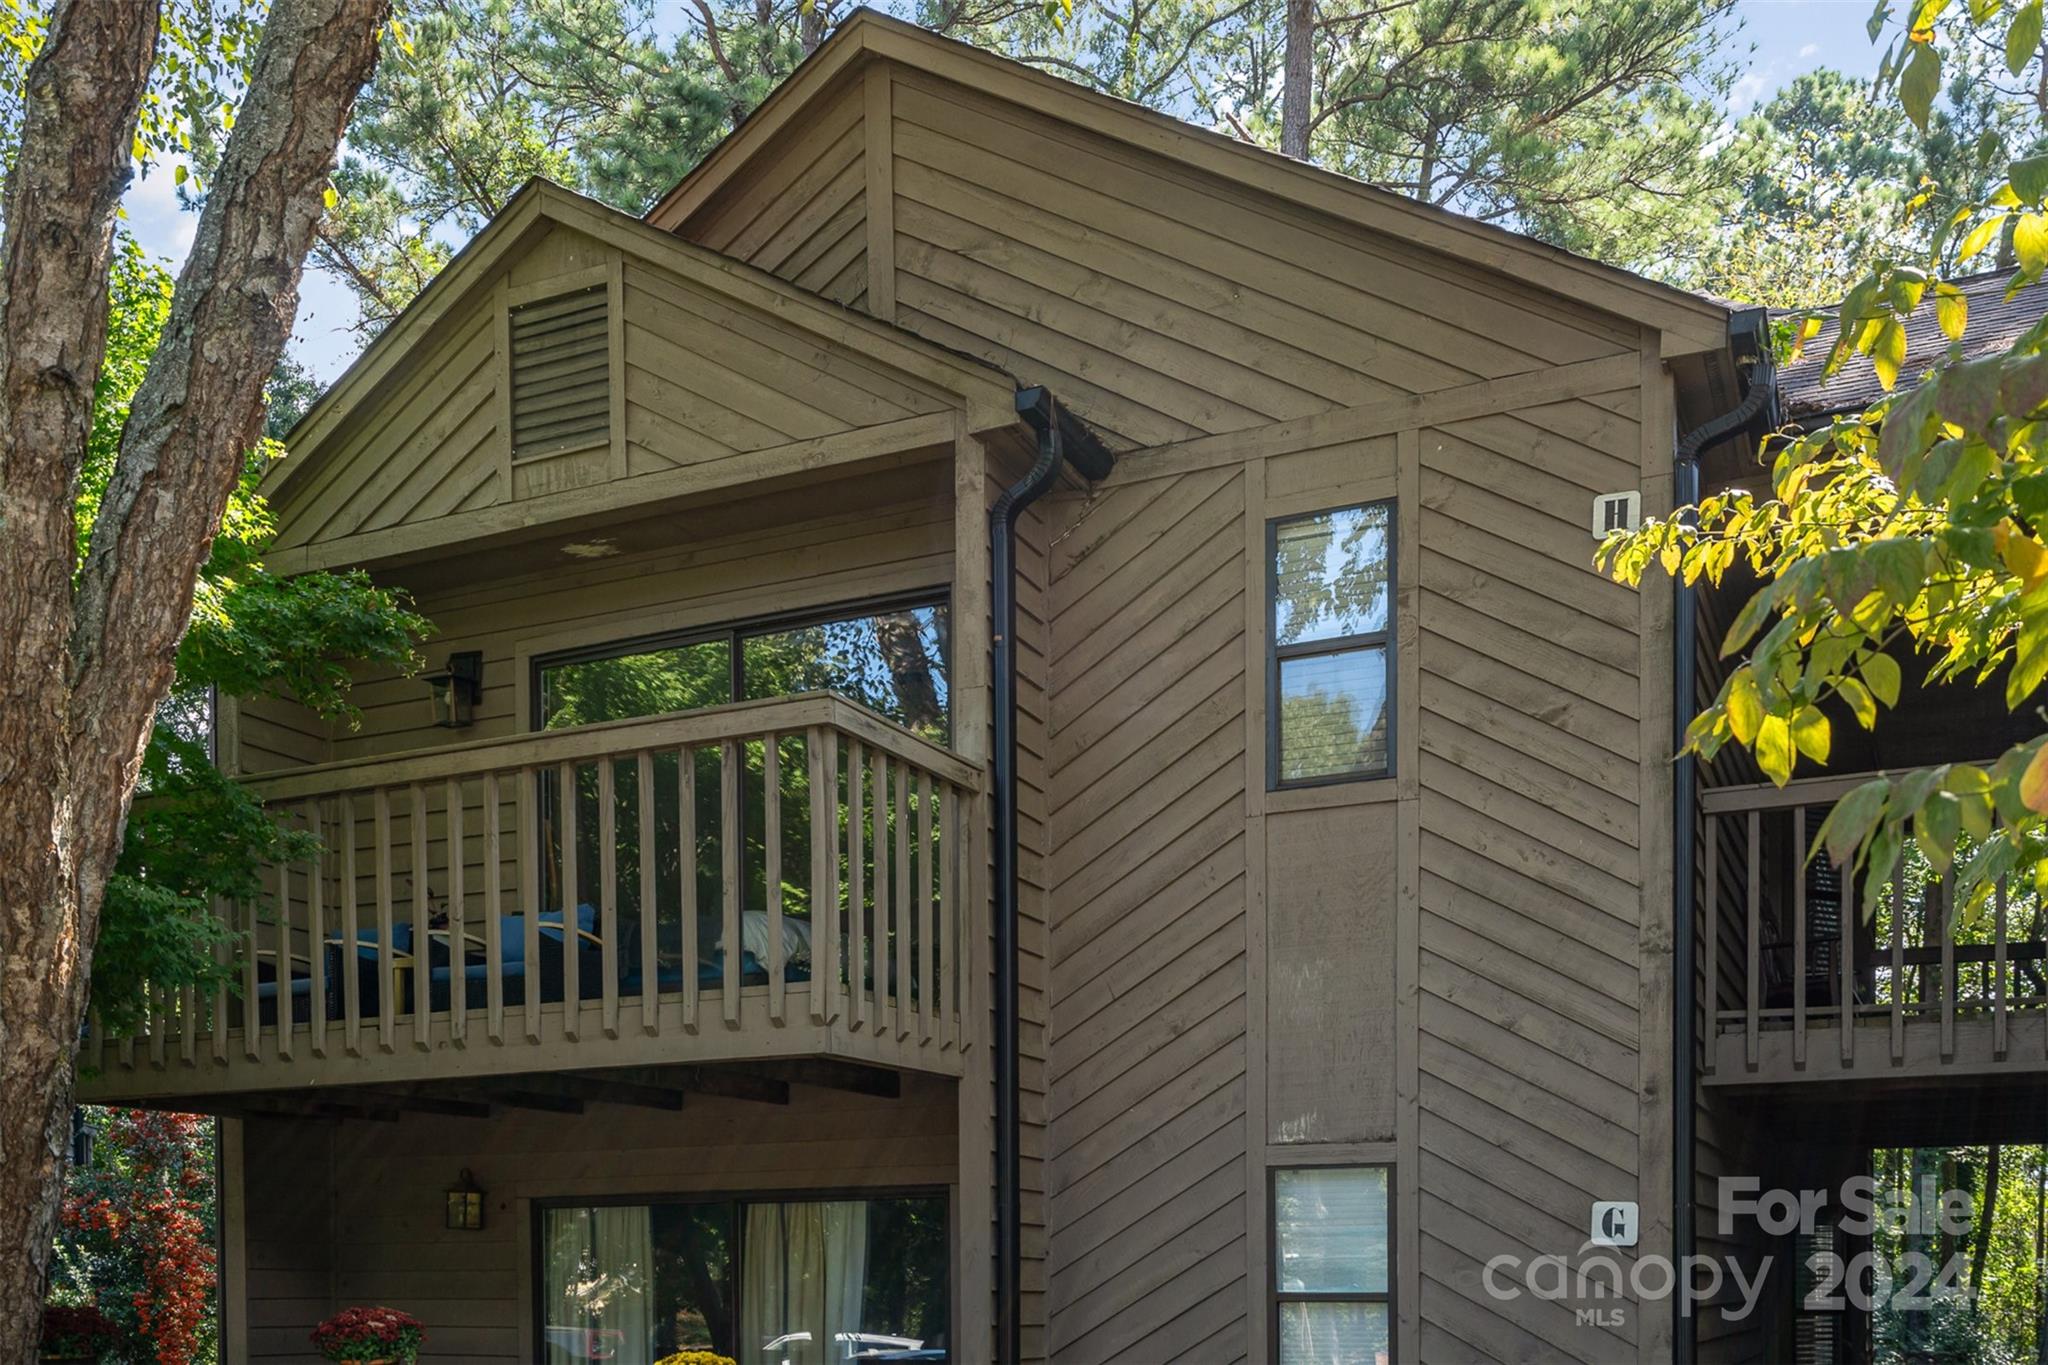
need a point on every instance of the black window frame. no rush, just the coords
(1276, 1298)
(735, 634)
(739, 1200)
(1276, 653)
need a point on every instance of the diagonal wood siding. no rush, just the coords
(1147, 1053)
(1530, 748)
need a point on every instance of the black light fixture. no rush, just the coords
(465, 1204)
(457, 688)
(81, 1140)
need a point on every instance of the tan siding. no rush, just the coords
(434, 439)
(885, 537)
(803, 217)
(350, 1213)
(1162, 304)
(1530, 910)
(1147, 1059)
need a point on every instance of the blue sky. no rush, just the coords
(1788, 36)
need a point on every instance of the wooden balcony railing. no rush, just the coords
(1805, 981)
(787, 877)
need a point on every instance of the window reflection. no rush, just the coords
(795, 1282)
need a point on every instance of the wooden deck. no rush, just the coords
(1811, 985)
(424, 936)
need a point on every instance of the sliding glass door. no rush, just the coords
(767, 1282)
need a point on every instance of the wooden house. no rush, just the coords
(653, 986)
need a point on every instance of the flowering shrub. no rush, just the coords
(135, 1236)
(695, 1358)
(75, 1331)
(370, 1334)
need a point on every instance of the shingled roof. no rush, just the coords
(1995, 322)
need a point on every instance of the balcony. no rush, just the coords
(427, 934)
(1807, 984)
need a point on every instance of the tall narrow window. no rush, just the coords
(1331, 588)
(1332, 1264)
(561, 373)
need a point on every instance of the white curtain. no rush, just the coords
(600, 1265)
(801, 1286)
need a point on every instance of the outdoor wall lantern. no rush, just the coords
(465, 1204)
(457, 689)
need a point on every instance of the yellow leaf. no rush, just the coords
(1811, 732)
(2030, 241)
(1774, 749)
(2034, 782)
(2024, 555)
(1951, 310)
(1745, 707)
(1980, 237)
(1888, 352)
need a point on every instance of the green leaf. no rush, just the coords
(1881, 675)
(180, 173)
(2023, 38)
(2030, 178)
(1900, 566)
(1919, 83)
(1774, 753)
(1848, 824)
(329, 198)
(2023, 388)
(1935, 826)
(1969, 393)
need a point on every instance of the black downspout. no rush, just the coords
(1059, 437)
(1684, 797)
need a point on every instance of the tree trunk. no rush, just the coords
(88, 660)
(1297, 84)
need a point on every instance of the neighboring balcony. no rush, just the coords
(764, 880)
(1811, 984)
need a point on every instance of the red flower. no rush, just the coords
(369, 1334)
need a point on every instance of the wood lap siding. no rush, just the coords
(1530, 749)
(1162, 304)
(804, 217)
(430, 448)
(377, 1190)
(1147, 1052)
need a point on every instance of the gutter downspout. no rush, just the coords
(1684, 800)
(1060, 437)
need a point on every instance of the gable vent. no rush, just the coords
(561, 373)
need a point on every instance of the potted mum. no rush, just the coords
(696, 1358)
(74, 1332)
(371, 1336)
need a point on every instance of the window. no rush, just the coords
(808, 1281)
(561, 373)
(890, 657)
(1332, 1266)
(1332, 597)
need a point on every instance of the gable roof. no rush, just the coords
(1993, 324)
(986, 396)
(1688, 323)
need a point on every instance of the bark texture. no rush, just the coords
(90, 648)
(1297, 77)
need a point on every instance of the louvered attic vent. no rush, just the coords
(561, 373)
